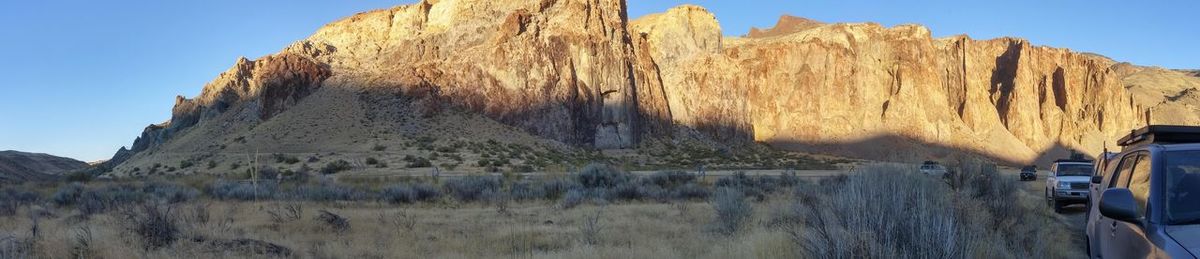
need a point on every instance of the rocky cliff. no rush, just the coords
(580, 72)
(893, 93)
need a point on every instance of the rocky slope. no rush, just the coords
(18, 166)
(580, 72)
(1171, 96)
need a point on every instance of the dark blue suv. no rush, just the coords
(1146, 199)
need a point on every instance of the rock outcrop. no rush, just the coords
(787, 24)
(892, 93)
(18, 166)
(580, 72)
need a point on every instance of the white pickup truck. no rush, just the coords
(1068, 183)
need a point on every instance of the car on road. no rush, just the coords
(1149, 197)
(1068, 183)
(933, 168)
(1029, 173)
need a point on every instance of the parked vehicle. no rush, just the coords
(1149, 197)
(1029, 173)
(1068, 183)
(933, 168)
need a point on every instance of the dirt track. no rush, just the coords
(1072, 216)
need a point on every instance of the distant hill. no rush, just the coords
(16, 166)
(1190, 72)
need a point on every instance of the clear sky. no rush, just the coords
(82, 78)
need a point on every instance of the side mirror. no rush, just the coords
(1118, 204)
(1097, 179)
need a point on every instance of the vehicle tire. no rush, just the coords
(1058, 207)
(1049, 201)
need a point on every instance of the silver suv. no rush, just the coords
(1068, 183)
(1145, 207)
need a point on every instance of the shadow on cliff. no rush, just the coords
(896, 148)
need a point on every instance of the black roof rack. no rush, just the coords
(1073, 161)
(1161, 134)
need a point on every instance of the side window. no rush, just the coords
(1139, 181)
(1123, 170)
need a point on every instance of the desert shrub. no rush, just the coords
(372, 161)
(732, 211)
(265, 172)
(625, 192)
(93, 202)
(336, 167)
(913, 215)
(79, 177)
(156, 225)
(11, 198)
(590, 227)
(283, 213)
(8, 208)
(669, 179)
(405, 193)
(379, 147)
(690, 191)
(472, 188)
(243, 191)
(186, 163)
(170, 192)
(525, 190)
(67, 195)
(521, 168)
(418, 162)
(535, 190)
(327, 191)
(212, 164)
(99, 200)
(598, 175)
(576, 196)
(573, 198)
(756, 187)
(788, 179)
(18, 196)
(334, 222)
(281, 158)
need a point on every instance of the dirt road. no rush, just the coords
(1073, 216)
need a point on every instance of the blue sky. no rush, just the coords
(82, 78)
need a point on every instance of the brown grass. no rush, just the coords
(636, 230)
(779, 226)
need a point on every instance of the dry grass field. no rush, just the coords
(882, 211)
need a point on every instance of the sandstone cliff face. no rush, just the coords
(857, 89)
(266, 87)
(561, 69)
(579, 72)
(787, 24)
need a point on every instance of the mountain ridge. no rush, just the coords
(582, 74)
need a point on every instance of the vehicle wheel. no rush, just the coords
(1049, 202)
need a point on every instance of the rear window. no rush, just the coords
(1182, 177)
(1074, 170)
